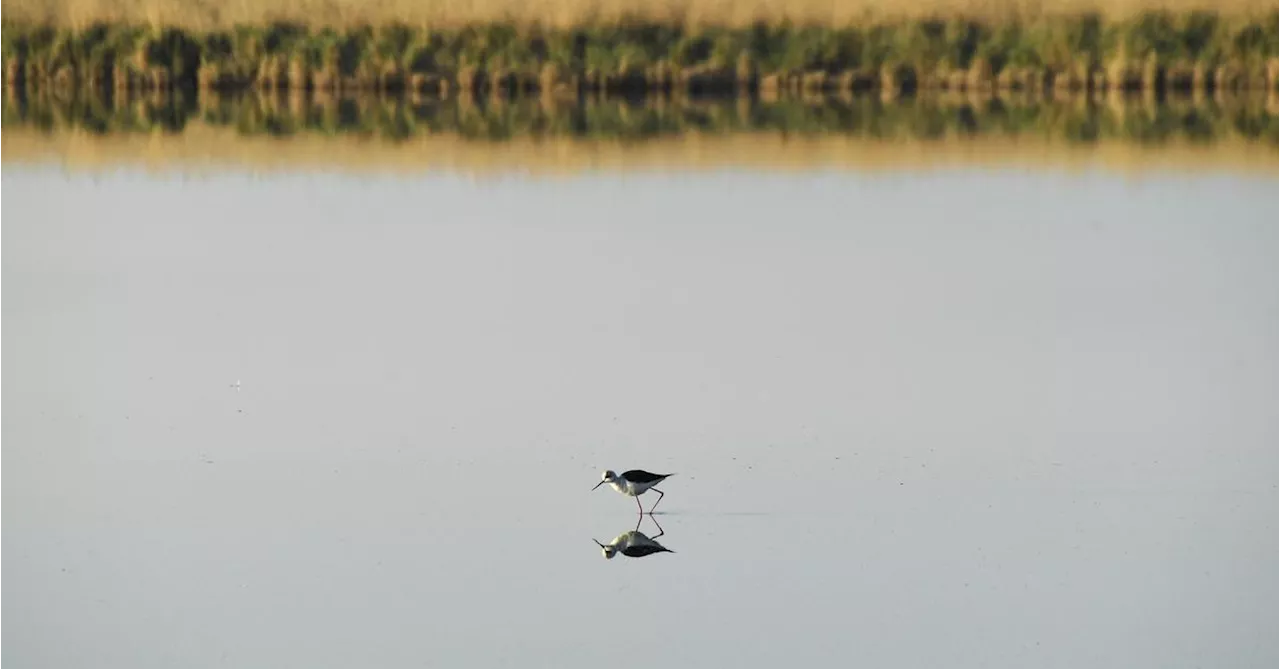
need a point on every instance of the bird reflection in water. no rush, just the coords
(634, 543)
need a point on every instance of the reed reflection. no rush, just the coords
(1073, 120)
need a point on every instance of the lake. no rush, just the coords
(965, 417)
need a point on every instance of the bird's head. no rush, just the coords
(607, 551)
(607, 477)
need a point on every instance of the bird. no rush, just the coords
(634, 544)
(635, 483)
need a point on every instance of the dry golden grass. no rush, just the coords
(210, 14)
(203, 148)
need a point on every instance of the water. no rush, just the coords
(1076, 120)
(960, 418)
(317, 131)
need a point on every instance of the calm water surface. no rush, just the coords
(964, 419)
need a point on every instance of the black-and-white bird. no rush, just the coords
(635, 483)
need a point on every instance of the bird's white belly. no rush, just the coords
(629, 488)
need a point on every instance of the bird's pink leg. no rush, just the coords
(655, 504)
(655, 523)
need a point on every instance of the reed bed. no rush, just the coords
(1152, 50)
(210, 15)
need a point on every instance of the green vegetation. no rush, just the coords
(1153, 50)
(1080, 120)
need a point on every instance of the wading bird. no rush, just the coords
(635, 483)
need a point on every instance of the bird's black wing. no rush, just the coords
(642, 551)
(641, 476)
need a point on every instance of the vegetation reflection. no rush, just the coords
(1072, 119)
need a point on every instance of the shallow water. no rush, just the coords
(976, 419)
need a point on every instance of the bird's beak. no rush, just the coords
(598, 543)
(598, 485)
